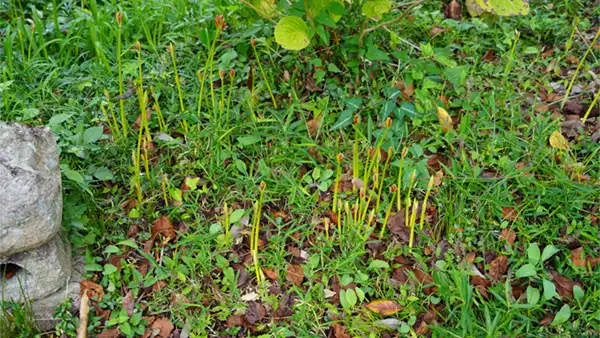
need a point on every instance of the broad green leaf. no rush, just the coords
(192, 182)
(343, 120)
(533, 253)
(378, 264)
(375, 8)
(92, 134)
(578, 292)
(526, 270)
(317, 6)
(248, 140)
(109, 269)
(128, 243)
(533, 295)
(343, 299)
(549, 251)
(103, 174)
(456, 75)
(236, 216)
(265, 8)
(73, 175)
(336, 10)
(111, 249)
(351, 297)
(292, 33)
(505, 7)
(562, 315)
(549, 289)
(5, 85)
(375, 54)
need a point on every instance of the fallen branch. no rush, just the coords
(84, 309)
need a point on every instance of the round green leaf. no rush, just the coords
(292, 33)
(375, 8)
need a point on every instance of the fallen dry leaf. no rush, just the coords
(284, 309)
(314, 125)
(564, 286)
(509, 214)
(164, 325)
(94, 291)
(509, 235)
(498, 268)
(445, 120)
(128, 303)
(577, 258)
(270, 273)
(295, 274)
(163, 226)
(255, 312)
(384, 307)
(339, 331)
(453, 10)
(547, 320)
(558, 141)
(110, 333)
(235, 321)
(138, 121)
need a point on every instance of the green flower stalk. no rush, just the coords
(253, 43)
(424, 206)
(124, 123)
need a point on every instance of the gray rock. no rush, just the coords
(30, 188)
(44, 309)
(40, 272)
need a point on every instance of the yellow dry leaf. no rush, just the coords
(445, 119)
(558, 141)
(384, 307)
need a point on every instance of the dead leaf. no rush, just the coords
(564, 286)
(489, 56)
(286, 76)
(295, 274)
(453, 10)
(128, 303)
(284, 309)
(339, 331)
(445, 120)
(498, 268)
(577, 258)
(572, 59)
(509, 214)
(270, 273)
(133, 231)
(558, 141)
(235, 321)
(94, 291)
(110, 333)
(508, 235)
(164, 325)
(438, 178)
(541, 108)
(547, 320)
(255, 312)
(397, 227)
(178, 300)
(138, 121)
(163, 226)
(435, 31)
(314, 125)
(384, 307)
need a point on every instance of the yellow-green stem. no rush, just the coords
(579, 67)
(424, 206)
(264, 75)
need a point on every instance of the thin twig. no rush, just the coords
(407, 4)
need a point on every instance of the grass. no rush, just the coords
(300, 192)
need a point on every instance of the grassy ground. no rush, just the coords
(237, 212)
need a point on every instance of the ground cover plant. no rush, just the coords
(422, 168)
